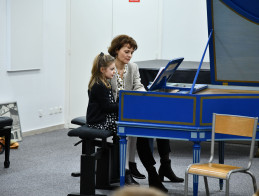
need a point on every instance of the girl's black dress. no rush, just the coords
(102, 110)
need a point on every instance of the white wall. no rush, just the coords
(90, 33)
(25, 30)
(163, 29)
(184, 31)
(142, 22)
(42, 89)
(92, 28)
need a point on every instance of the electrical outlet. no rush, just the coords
(56, 110)
(50, 111)
(40, 112)
(60, 109)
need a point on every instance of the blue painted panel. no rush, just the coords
(167, 133)
(236, 105)
(233, 49)
(158, 108)
(248, 9)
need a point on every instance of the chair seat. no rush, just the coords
(79, 120)
(5, 121)
(86, 132)
(212, 169)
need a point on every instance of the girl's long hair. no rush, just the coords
(101, 60)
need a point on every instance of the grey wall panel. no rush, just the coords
(236, 45)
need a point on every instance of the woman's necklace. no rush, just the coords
(121, 71)
(120, 66)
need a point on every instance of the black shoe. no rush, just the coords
(129, 179)
(134, 171)
(257, 154)
(154, 180)
(165, 170)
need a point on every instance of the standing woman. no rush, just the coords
(126, 78)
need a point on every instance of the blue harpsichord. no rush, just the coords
(184, 111)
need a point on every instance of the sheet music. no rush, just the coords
(164, 74)
(157, 75)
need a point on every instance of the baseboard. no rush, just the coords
(43, 130)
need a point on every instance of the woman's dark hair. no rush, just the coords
(119, 41)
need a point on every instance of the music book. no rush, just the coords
(164, 74)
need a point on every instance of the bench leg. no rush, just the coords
(87, 170)
(87, 180)
(103, 172)
(115, 163)
(7, 148)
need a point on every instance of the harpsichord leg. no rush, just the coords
(196, 159)
(123, 148)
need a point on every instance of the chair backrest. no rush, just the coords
(234, 125)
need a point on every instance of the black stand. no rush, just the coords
(87, 170)
(88, 183)
(5, 130)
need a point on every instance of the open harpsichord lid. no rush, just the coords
(164, 74)
(234, 48)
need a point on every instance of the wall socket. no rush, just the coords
(55, 110)
(40, 112)
(60, 109)
(51, 111)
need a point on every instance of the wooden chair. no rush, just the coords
(230, 125)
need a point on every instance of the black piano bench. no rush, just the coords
(89, 155)
(107, 171)
(5, 130)
(79, 120)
